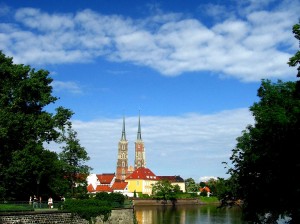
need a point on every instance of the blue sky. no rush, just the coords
(191, 68)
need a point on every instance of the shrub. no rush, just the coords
(89, 209)
(117, 199)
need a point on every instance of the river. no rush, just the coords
(187, 214)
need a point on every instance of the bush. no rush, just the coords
(88, 209)
(114, 199)
(103, 196)
(117, 199)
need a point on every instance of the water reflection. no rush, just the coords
(187, 214)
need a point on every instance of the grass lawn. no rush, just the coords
(209, 199)
(15, 207)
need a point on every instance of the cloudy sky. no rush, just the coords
(190, 68)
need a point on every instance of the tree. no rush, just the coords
(35, 172)
(295, 60)
(164, 190)
(191, 186)
(73, 158)
(266, 153)
(25, 125)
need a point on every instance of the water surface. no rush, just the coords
(188, 214)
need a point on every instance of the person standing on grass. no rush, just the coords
(50, 202)
(35, 202)
(40, 201)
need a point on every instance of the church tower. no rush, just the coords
(140, 158)
(122, 163)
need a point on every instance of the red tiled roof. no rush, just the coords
(103, 188)
(204, 189)
(90, 188)
(105, 178)
(119, 185)
(143, 174)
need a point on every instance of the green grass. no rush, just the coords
(208, 199)
(15, 207)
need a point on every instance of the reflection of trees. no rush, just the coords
(186, 214)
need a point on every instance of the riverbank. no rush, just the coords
(187, 201)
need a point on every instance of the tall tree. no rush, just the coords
(24, 122)
(267, 154)
(73, 158)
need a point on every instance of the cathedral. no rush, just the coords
(123, 170)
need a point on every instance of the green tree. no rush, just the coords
(295, 60)
(25, 124)
(191, 186)
(35, 171)
(73, 159)
(226, 189)
(266, 153)
(177, 188)
(164, 190)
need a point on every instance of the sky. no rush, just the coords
(191, 70)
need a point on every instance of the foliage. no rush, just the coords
(202, 184)
(26, 166)
(225, 188)
(191, 186)
(115, 199)
(176, 188)
(89, 209)
(143, 196)
(25, 126)
(295, 60)
(103, 196)
(164, 190)
(34, 169)
(73, 157)
(266, 153)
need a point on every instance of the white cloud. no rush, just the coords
(68, 86)
(206, 178)
(192, 145)
(250, 47)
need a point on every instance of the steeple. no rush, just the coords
(139, 133)
(123, 138)
(122, 162)
(140, 157)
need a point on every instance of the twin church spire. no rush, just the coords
(139, 159)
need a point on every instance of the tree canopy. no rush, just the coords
(164, 190)
(73, 158)
(265, 160)
(26, 167)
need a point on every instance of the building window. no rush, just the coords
(123, 164)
